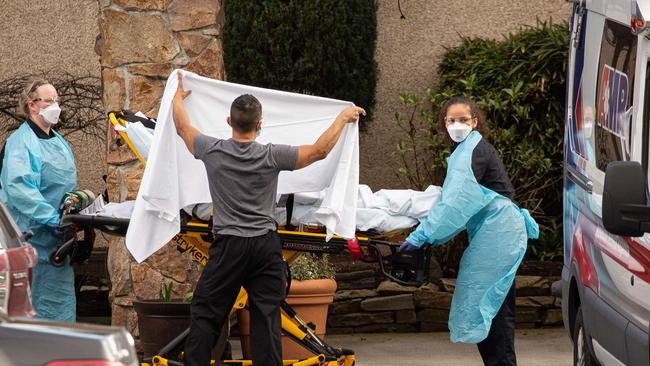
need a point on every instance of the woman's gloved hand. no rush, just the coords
(407, 247)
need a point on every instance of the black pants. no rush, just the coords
(255, 263)
(498, 349)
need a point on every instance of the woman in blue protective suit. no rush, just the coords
(38, 167)
(477, 197)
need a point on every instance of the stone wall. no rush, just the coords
(365, 303)
(140, 43)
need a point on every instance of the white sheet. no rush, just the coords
(141, 137)
(400, 202)
(174, 179)
(122, 210)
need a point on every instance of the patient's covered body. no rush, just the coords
(382, 211)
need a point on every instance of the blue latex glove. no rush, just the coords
(407, 247)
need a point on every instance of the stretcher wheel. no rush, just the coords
(57, 260)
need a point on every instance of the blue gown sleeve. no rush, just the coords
(462, 198)
(21, 179)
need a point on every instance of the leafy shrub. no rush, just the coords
(321, 47)
(520, 84)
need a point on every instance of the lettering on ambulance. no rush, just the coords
(612, 102)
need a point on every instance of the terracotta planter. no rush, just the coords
(160, 322)
(310, 299)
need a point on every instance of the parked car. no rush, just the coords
(606, 276)
(17, 257)
(26, 341)
(30, 342)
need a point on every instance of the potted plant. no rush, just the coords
(312, 290)
(160, 321)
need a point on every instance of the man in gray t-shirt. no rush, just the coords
(243, 182)
(243, 178)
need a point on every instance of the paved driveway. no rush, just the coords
(535, 347)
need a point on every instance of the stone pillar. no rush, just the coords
(139, 44)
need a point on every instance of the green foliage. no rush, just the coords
(321, 47)
(166, 292)
(520, 84)
(311, 266)
(549, 249)
(188, 297)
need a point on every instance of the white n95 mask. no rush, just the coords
(51, 113)
(458, 131)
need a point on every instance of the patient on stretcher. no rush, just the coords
(382, 211)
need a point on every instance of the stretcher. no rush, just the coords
(195, 238)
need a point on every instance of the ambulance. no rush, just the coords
(605, 282)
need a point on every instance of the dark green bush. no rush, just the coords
(320, 47)
(520, 83)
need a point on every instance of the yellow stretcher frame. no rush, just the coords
(193, 244)
(115, 122)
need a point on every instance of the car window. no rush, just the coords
(9, 231)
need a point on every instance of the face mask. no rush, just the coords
(51, 114)
(458, 131)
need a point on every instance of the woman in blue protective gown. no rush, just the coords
(477, 197)
(38, 167)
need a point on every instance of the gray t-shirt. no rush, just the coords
(243, 178)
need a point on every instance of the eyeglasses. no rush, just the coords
(47, 100)
(461, 119)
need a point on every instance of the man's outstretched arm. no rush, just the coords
(308, 154)
(182, 122)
